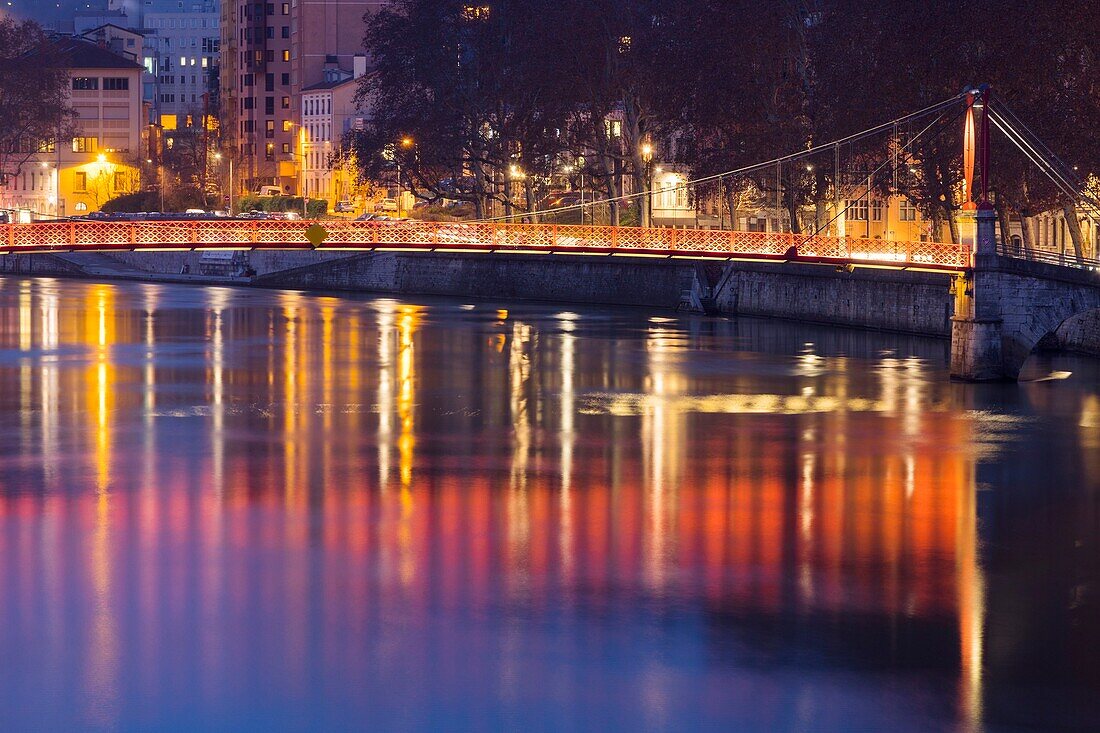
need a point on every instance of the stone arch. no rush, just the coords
(1080, 333)
(1051, 325)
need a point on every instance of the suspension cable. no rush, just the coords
(745, 170)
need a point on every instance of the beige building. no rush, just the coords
(102, 159)
(328, 112)
(271, 52)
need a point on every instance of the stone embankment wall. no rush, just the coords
(263, 261)
(608, 280)
(890, 300)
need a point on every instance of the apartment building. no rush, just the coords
(102, 159)
(271, 52)
(182, 57)
(328, 111)
(179, 47)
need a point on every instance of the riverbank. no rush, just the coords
(918, 303)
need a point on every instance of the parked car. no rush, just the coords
(386, 205)
(343, 207)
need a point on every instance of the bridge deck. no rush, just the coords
(76, 236)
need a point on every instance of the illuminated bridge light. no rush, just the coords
(506, 238)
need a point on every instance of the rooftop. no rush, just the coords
(84, 54)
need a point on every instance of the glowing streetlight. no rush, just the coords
(647, 205)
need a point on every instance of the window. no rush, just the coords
(856, 210)
(876, 210)
(908, 210)
(85, 144)
(80, 181)
(270, 56)
(80, 205)
(269, 32)
(269, 83)
(286, 31)
(286, 55)
(269, 105)
(269, 128)
(286, 125)
(286, 102)
(286, 147)
(271, 8)
(85, 82)
(249, 102)
(116, 83)
(269, 151)
(286, 8)
(285, 80)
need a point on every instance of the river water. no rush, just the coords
(237, 510)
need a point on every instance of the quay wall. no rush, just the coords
(905, 302)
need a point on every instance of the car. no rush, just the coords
(343, 207)
(386, 204)
(267, 191)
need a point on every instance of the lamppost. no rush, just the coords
(647, 208)
(218, 157)
(160, 180)
(407, 143)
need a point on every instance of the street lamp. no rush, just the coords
(160, 181)
(218, 157)
(407, 143)
(647, 208)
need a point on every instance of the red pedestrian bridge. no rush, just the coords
(478, 237)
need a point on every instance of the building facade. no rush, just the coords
(182, 59)
(271, 52)
(328, 112)
(102, 159)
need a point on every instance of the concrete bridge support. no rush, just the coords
(1005, 308)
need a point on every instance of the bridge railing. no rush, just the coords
(478, 236)
(1063, 259)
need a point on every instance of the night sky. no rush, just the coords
(49, 12)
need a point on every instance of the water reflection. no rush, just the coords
(284, 511)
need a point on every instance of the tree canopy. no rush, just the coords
(464, 97)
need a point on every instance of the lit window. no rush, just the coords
(80, 181)
(80, 205)
(85, 144)
(286, 55)
(856, 210)
(85, 82)
(908, 210)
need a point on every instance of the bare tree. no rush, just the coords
(34, 108)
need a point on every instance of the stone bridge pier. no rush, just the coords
(1004, 307)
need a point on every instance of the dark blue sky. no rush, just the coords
(49, 11)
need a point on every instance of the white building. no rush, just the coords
(328, 112)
